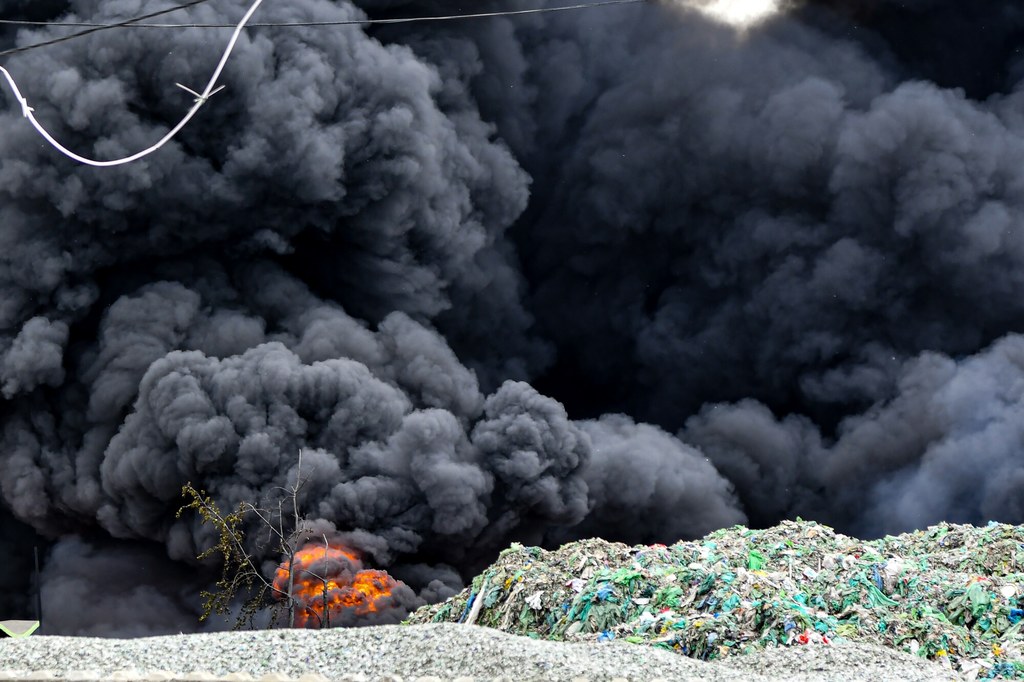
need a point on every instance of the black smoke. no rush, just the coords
(935, 40)
(625, 272)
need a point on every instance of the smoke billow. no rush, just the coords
(945, 447)
(627, 271)
(132, 590)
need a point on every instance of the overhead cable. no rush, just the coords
(200, 99)
(211, 87)
(95, 27)
(135, 23)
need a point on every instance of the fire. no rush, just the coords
(329, 583)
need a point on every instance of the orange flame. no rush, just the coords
(329, 581)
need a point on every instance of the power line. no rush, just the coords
(134, 23)
(211, 87)
(200, 100)
(103, 27)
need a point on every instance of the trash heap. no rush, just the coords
(951, 593)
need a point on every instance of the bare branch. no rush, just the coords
(241, 571)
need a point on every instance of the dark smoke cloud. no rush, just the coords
(17, 543)
(622, 272)
(133, 299)
(401, 443)
(953, 44)
(776, 224)
(35, 357)
(946, 447)
(778, 218)
(639, 472)
(134, 591)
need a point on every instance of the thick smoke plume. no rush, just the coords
(627, 271)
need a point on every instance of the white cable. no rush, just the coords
(200, 100)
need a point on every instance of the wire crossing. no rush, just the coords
(201, 98)
(139, 22)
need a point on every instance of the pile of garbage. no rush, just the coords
(951, 593)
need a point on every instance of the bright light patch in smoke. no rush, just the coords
(742, 13)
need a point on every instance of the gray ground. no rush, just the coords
(443, 650)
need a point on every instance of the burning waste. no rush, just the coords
(627, 273)
(331, 588)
